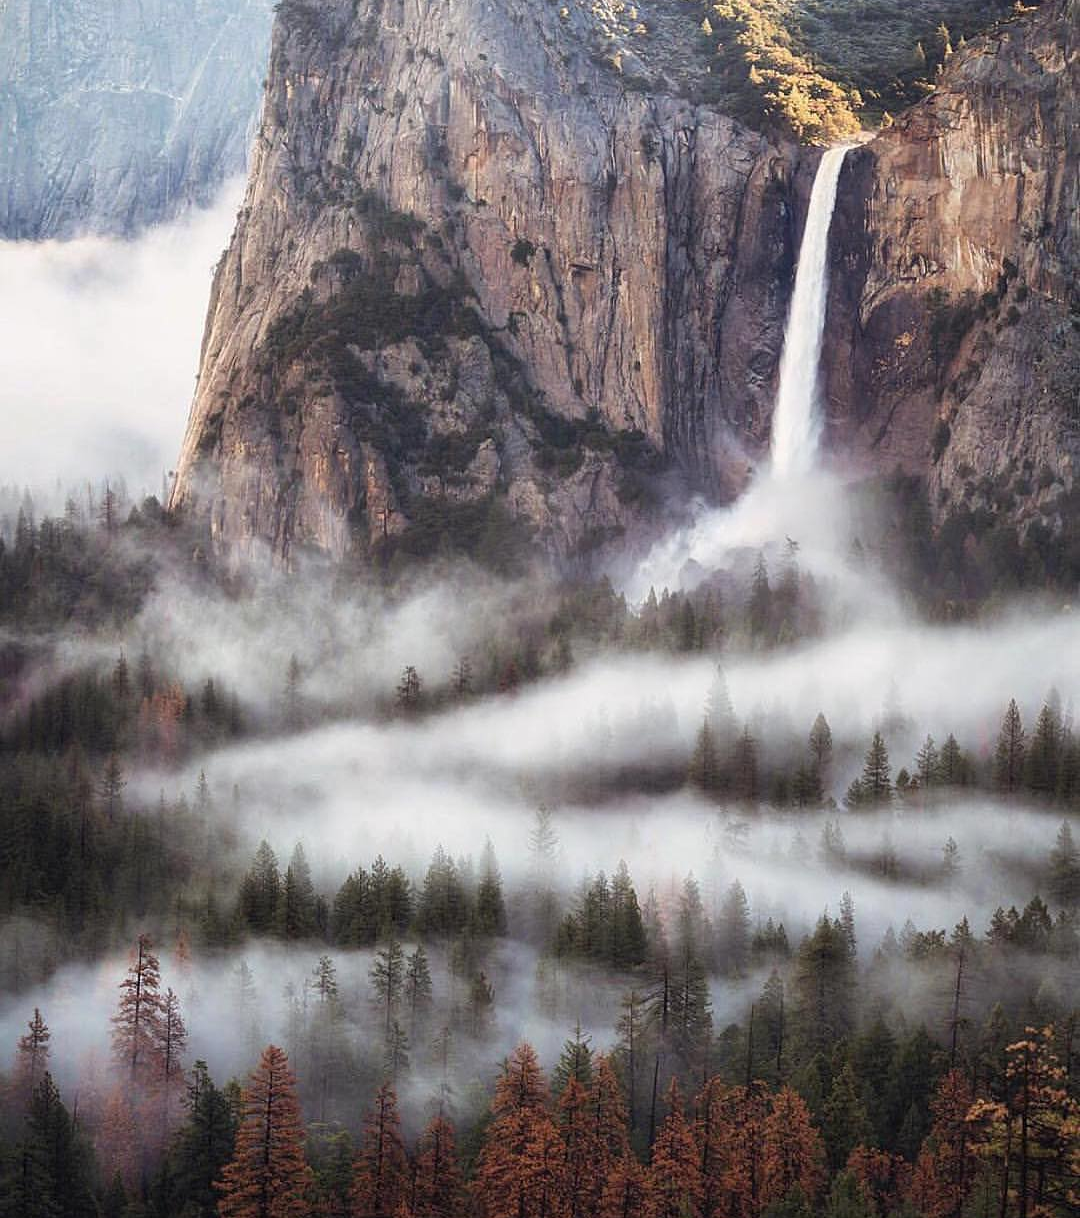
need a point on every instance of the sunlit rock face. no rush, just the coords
(117, 114)
(568, 280)
(952, 343)
(484, 286)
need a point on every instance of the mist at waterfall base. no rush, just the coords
(100, 351)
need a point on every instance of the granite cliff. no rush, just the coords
(495, 274)
(117, 114)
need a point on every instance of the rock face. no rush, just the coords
(481, 275)
(489, 281)
(116, 114)
(952, 343)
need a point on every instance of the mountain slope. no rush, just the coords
(115, 114)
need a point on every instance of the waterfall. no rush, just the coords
(796, 423)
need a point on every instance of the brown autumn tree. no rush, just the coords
(31, 1061)
(137, 1024)
(624, 1190)
(730, 1136)
(607, 1142)
(381, 1176)
(673, 1184)
(439, 1185)
(793, 1150)
(268, 1177)
(521, 1169)
(884, 1178)
(946, 1167)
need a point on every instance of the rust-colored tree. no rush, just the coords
(946, 1167)
(137, 1024)
(673, 1188)
(730, 1136)
(521, 1170)
(1027, 1138)
(268, 1177)
(883, 1178)
(793, 1151)
(439, 1185)
(381, 1177)
(625, 1190)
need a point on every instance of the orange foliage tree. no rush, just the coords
(268, 1177)
(382, 1168)
(793, 1150)
(946, 1166)
(521, 1170)
(439, 1188)
(673, 1187)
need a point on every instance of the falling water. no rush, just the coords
(796, 422)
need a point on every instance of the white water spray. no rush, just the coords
(796, 420)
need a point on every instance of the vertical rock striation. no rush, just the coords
(477, 272)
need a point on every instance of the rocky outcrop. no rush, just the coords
(117, 114)
(482, 277)
(953, 340)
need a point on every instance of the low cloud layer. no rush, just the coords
(100, 350)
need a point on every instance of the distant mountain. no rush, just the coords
(116, 114)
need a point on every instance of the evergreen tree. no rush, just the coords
(733, 931)
(204, 1146)
(1010, 751)
(439, 1190)
(1043, 760)
(1065, 869)
(260, 892)
(951, 766)
(31, 1061)
(418, 989)
(574, 1064)
(388, 980)
(298, 915)
(267, 1176)
(875, 784)
(927, 764)
(381, 1178)
(490, 906)
(138, 1025)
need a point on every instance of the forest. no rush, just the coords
(515, 897)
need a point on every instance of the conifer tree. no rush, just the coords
(260, 892)
(388, 980)
(31, 1061)
(1010, 751)
(138, 1025)
(298, 914)
(673, 1187)
(875, 784)
(267, 1176)
(381, 1175)
(574, 1064)
(490, 906)
(49, 1175)
(793, 1152)
(439, 1189)
(205, 1144)
(521, 1169)
(821, 744)
(1065, 868)
(418, 989)
(946, 1169)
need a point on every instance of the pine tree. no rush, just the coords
(927, 764)
(31, 1061)
(875, 784)
(1043, 760)
(951, 768)
(520, 1171)
(490, 906)
(204, 1146)
(418, 989)
(793, 1152)
(169, 1053)
(439, 1189)
(946, 1169)
(267, 1176)
(381, 1176)
(706, 768)
(1010, 751)
(298, 898)
(759, 609)
(260, 892)
(49, 1174)
(574, 1064)
(112, 787)
(1065, 869)
(844, 1120)
(292, 703)
(673, 1187)
(733, 931)
(388, 979)
(138, 1025)
(409, 690)
(821, 744)
(824, 989)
